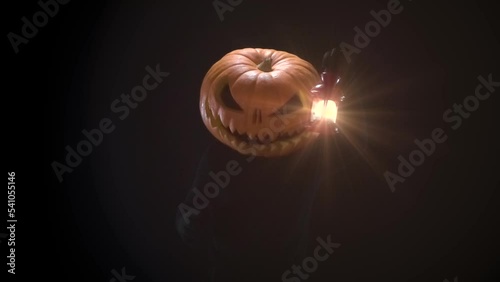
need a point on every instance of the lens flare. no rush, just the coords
(324, 110)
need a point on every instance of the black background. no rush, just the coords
(117, 208)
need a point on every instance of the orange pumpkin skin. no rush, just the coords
(257, 101)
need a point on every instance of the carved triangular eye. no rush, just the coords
(291, 106)
(228, 100)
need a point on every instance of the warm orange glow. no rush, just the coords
(324, 110)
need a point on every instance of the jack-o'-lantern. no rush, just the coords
(257, 101)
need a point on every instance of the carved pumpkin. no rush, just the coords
(257, 101)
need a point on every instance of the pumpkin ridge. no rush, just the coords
(281, 57)
(246, 56)
(241, 75)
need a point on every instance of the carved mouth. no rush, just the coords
(245, 143)
(282, 136)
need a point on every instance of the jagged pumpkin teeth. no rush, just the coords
(231, 127)
(261, 147)
(235, 106)
(213, 124)
(285, 145)
(223, 121)
(308, 134)
(240, 132)
(295, 141)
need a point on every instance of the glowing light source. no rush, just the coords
(324, 110)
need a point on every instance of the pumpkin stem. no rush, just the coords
(266, 65)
